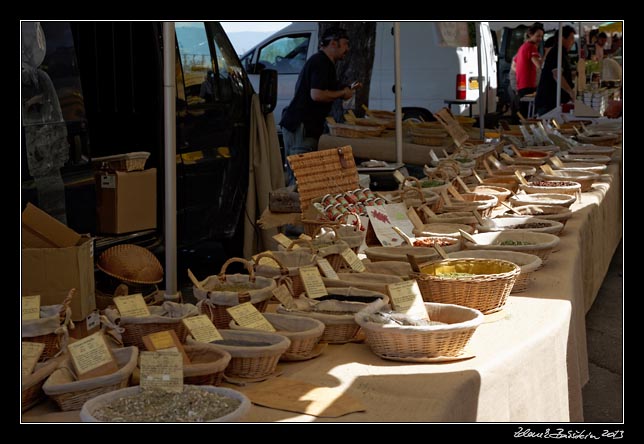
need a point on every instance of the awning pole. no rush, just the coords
(398, 97)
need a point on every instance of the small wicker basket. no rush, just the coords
(122, 162)
(539, 244)
(521, 224)
(550, 212)
(289, 263)
(556, 187)
(248, 360)
(52, 327)
(563, 200)
(207, 364)
(304, 333)
(70, 394)
(32, 384)
(354, 131)
(485, 287)
(214, 298)
(426, 343)
(583, 178)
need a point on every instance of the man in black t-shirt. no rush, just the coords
(546, 98)
(317, 87)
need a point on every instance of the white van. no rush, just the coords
(430, 59)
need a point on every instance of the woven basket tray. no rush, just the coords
(563, 200)
(423, 344)
(122, 162)
(484, 203)
(213, 287)
(304, 333)
(528, 263)
(585, 179)
(581, 166)
(501, 193)
(550, 212)
(207, 364)
(423, 254)
(70, 394)
(131, 264)
(541, 244)
(486, 291)
(556, 187)
(510, 223)
(32, 384)
(253, 361)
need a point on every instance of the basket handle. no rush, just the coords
(418, 191)
(65, 311)
(319, 229)
(358, 224)
(416, 182)
(286, 280)
(283, 269)
(249, 268)
(122, 290)
(302, 241)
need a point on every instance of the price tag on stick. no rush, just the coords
(463, 184)
(327, 269)
(284, 296)
(313, 284)
(440, 251)
(202, 329)
(467, 236)
(406, 298)
(521, 178)
(246, 315)
(547, 169)
(556, 162)
(352, 259)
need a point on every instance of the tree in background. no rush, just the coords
(358, 63)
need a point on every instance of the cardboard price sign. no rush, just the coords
(165, 342)
(31, 352)
(284, 296)
(132, 305)
(313, 284)
(327, 269)
(399, 176)
(281, 239)
(30, 307)
(91, 357)
(352, 259)
(202, 329)
(161, 371)
(406, 298)
(246, 315)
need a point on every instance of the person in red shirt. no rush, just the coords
(528, 60)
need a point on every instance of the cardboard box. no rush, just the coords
(87, 326)
(52, 272)
(40, 230)
(126, 201)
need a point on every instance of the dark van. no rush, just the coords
(108, 80)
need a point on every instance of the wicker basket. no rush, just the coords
(550, 212)
(501, 193)
(592, 149)
(168, 316)
(453, 217)
(338, 328)
(32, 384)
(252, 361)
(357, 131)
(550, 186)
(214, 299)
(563, 200)
(304, 333)
(539, 244)
(594, 158)
(122, 162)
(423, 344)
(528, 263)
(51, 328)
(510, 224)
(484, 203)
(581, 166)
(106, 300)
(422, 254)
(207, 364)
(585, 179)
(331, 251)
(131, 264)
(289, 263)
(605, 139)
(90, 407)
(440, 229)
(70, 394)
(509, 182)
(486, 290)
(438, 139)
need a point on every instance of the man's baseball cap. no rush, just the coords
(334, 33)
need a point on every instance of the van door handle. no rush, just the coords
(393, 88)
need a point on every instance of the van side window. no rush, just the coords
(196, 62)
(287, 54)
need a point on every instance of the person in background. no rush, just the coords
(546, 98)
(316, 88)
(528, 61)
(599, 46)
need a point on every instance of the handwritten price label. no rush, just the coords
(406, 298)
(246, 315)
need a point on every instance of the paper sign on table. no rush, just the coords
(30, 307)
(202, 329)
(91, 357)
(327, 269)
(284, 296)
(131, 305)
(406, 298)
(383, 217)
(246, 315)
(165, 341)
(161, 371)
(312, 281)
(399, 176)
(352, 259)
(31, 352)
(281, 239)
(305, 237)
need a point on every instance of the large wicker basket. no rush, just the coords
(131, 264)
(550, 212)
(51, 328)
(32, 384)
(485, 288)
(539, 244)
(426, 343)
(358, 131)
(70, 394)
(215, 298)
(484, 203)
(563, 200)
(549, 186)
(304, 333)
(252, 361)
(290, 263)
(583, 178)
(207, 364)
(168, 316)
(528, 263)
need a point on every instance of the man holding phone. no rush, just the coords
(317, 87)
